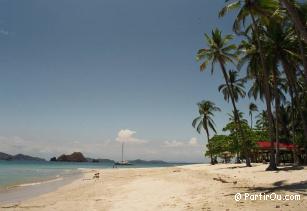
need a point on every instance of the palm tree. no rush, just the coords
(282, 43)
(252, 108)
(232, 117)
(236, 85)
(249, 8)
(251, 55)
(262, 122)
(232, 121)
(294, 15)
(219, 51)
(303, 16)
(237, 88)
(257, 11)
(204, 121)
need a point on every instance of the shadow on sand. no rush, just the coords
(290, 168)
(280, 168)
(300, 187)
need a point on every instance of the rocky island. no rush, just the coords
(74, 157)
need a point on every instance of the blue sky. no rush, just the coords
(75, 73)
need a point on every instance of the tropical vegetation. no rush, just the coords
(264, 59)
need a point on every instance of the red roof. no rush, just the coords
(267, 145)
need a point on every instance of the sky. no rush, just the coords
(84, 76)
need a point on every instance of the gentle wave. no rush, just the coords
(35, 183)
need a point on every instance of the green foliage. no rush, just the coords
(272, 55)
(232, 142)
(217, 145)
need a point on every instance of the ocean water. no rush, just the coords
(28, 173)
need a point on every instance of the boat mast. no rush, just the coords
(123, 152)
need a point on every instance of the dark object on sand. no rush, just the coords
(220, 179)
(96, 176)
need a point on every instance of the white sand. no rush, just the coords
(192, 187)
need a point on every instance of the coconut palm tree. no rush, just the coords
(220, 51)
(262, 122)
(236, 86)
(303, 16)
(204, 121)
(294, 15)
(252, 108)
(250, 8)
(260, 10)
(235, 133)
(251, 55)
(282, 44)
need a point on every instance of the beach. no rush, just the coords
(189, 187)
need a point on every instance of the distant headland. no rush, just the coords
(74, 157)
(21, 157)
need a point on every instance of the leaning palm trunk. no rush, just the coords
(277, 110)
(211, 156)
(237, 118)
(272, 166)
(295, 19)
(304, 59)
(296, 160)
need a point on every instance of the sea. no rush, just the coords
(36, 177)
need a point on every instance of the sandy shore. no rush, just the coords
(191, 187)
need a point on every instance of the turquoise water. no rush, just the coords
(14, 173)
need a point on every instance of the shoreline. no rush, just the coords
(30, 188)
(25, 191)
(33, 183)
(188, 187)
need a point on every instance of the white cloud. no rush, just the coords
(193, 141)
(174, 150)
(128, 136)
(173, 143)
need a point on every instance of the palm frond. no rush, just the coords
(230, 7)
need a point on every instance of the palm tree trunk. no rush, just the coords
(211, 157)
(296, 160)
(277, 111)
(304, 59)
(236, 113)
(251, 120)
(272, 166)
(295, 19)
(237, 150)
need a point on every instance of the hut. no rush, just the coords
(263, 149)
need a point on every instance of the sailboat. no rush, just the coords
(123, 162)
